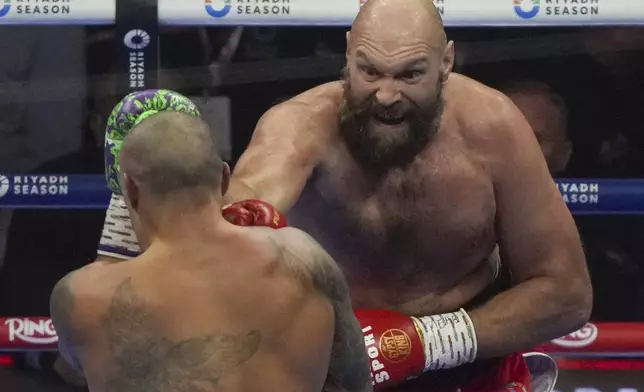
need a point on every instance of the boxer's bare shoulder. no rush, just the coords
(484, 115)
(487, 123)
(348, 369)
(86, 285)
(311, 114)
(325, 97)
(69, 313)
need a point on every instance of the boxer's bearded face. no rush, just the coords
(384, 136)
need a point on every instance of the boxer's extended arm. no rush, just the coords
(349, 367)
(539, 241)
(282, 154)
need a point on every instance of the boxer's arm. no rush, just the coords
(349, 367)
(538, 240)
(282, 154)
(118, 240)
(61, 307)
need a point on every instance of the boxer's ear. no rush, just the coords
(225, 178)
(131, 191)
(448, 61)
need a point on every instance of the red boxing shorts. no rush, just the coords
(511, 374)
(508, 374)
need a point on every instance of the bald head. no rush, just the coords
(547, 115)
(398, 62)
(544, 109)
(172, 153)
(397, 20)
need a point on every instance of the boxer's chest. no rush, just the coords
(415, 231)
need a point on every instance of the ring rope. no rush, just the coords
(522, 13)
(56, 191)
(593, 339)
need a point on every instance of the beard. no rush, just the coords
(376, 149)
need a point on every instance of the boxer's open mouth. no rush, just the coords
(389, 120)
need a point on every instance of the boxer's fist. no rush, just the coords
(394, 346)
(254, 213)
(401, 347)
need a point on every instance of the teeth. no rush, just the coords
(392, 118)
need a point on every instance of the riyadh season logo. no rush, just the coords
(137, 39)
(4, 185)
(218, 11)
(6, 7)
(526, 9)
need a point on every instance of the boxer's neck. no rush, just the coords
(180, 223)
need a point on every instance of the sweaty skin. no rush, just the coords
(208, 306)
(419, 236)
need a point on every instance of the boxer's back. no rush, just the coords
(222, 315)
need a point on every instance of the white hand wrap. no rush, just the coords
(118, 239)
(449, 339)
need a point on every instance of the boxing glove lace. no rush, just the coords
(401, 347)
(254, 213)
(118, 239)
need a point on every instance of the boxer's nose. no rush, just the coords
(388, 93)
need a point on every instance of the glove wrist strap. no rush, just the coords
(118, 239)
(449, 339)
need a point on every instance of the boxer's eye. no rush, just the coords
(412, 75)
(369, 71)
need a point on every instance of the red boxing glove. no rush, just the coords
(393, 344)
(401, 347)
(254, 213)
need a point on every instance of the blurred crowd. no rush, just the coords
(579, 89)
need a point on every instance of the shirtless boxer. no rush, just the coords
(410, 176)
(207, 306)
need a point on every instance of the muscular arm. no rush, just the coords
(282, 154)
(61, 306)
(539, 241)
(349, 367)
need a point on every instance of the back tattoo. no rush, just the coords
(145, 360)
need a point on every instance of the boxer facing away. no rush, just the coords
(411, 176)
(207, 306)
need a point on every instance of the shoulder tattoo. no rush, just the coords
(349, 367)
(309, 260)
(145, 359)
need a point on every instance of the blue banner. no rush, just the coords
(53, 191)
(603, 196)
(583, 196)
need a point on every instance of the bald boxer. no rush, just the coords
(547, 115)
(207, 306)
(411, 176)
